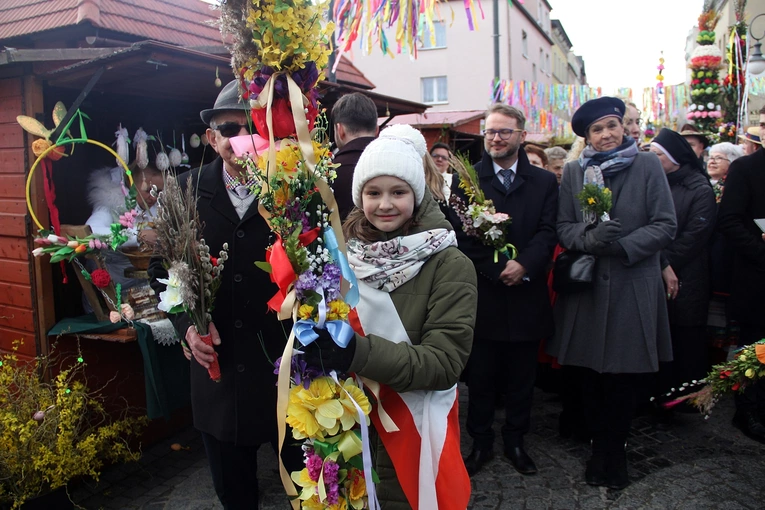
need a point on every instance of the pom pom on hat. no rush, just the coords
(397, 152)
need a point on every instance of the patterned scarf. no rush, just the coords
(610, 162)
(386, 265)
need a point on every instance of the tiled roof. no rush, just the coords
(181, 22)
(439, 118)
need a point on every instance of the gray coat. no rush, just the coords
(620, 324)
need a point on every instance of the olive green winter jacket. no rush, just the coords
(438, 308)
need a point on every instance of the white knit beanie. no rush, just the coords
(398, 152)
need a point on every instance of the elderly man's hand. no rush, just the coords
(202, 352)
(513, 273)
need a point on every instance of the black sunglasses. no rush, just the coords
(231, 129)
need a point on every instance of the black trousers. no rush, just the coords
(608, 402)
(753, 397)
(689, 358)
(508, 367)
(234, 470)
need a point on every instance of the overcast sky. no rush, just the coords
(621, 40)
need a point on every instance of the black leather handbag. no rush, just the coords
(573, 272)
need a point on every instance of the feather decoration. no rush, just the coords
(122, 141)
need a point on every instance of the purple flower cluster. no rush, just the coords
(330, 281)
(306, 282)
(304, 78)
(331, 469)
(314, 464)
(300, 372)
(461, 209)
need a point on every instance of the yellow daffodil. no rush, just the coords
(314, 412)
(303, 479)
(591, 201)
(350, 416)
(305, 312)
(357, 488)
(338, 310)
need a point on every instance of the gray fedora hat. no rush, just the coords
(228, 100)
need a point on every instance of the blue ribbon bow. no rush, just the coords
(340, 331)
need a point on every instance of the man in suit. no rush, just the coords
(742, 203)
(514, 312)
(237, 414)
(355, 119)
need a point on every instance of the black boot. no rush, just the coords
(595, 474)
(616, 465)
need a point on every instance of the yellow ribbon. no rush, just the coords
(508, 251)
(387, 422)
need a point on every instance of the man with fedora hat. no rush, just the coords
(750, 140)
(237, 414)
(696, 139)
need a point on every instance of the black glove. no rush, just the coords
(598, 238)
(324, 354)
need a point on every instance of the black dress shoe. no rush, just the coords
(520, 460)
(749, 423)
(476, 460)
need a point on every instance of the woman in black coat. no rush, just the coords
(685, 262)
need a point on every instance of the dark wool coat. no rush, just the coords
(347, 157)
(520, 313)
(241, 408)
(742, 203)
(688, 255)
(620, 324)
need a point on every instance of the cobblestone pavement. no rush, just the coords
(692, 464)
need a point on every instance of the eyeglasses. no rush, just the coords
(231, 129)
(439, 157)
(718, 159)
(504, 134)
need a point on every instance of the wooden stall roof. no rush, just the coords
(180, 22)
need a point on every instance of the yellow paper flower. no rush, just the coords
(591, 201)
(303, 479)
(305, 312)
(350, 415)
(315, 412)
(338, 310)
(357, 488)
(749, 373)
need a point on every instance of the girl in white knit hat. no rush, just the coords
(415, 324)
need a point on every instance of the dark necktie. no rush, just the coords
(507, 177)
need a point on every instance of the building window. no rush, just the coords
(434, 90)
(533, 72)
(547, 63)
(525, 43)
(440, 36)
(539, 12)
(541, 60)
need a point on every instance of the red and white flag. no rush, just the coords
(424, 443)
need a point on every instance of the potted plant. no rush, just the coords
(54, 431)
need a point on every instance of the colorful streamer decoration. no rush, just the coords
(548, 108)
(365, 23)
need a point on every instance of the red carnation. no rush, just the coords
(100, 278)
(735, 387)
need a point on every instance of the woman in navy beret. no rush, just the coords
(616, 331)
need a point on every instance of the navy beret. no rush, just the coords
(594, 110)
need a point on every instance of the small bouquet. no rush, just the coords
(193, 274)
(479, 218)
(596, 202)
(747, 367)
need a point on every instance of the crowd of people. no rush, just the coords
(678, 256)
